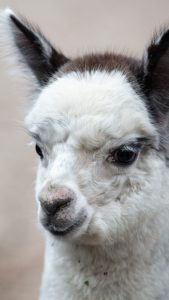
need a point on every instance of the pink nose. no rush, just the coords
(54, 197)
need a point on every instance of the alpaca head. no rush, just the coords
(99, 127)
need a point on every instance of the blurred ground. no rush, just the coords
(75, 27)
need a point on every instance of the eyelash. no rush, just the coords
(125, 155)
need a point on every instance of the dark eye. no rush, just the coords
(123, 156)
(39, 151)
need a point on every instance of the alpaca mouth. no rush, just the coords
(62, 227)
(73, 227)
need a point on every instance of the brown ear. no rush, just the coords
(156, 75)
(30, 48)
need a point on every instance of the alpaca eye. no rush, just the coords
(123, 156)
(39, 151)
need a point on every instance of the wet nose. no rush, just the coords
(55, 198)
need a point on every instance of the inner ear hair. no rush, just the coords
(156, 50)
(33, 51)
(156, 75)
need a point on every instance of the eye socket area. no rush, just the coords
(124, 155)
(39, 151)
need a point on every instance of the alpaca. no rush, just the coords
(100, 128)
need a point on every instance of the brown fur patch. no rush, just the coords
(104, 62)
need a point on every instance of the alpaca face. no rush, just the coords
(96, 140)
(99, 127)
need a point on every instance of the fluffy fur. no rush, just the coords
(86, 109)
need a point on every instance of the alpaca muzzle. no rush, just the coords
(58, 213)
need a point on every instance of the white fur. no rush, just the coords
(119, 252)
(93, 96)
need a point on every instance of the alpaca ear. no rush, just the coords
(156, 76)
(30, 49)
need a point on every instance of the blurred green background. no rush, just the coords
(75, 27)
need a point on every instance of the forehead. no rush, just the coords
(97, 97)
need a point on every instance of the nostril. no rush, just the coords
(51, 208)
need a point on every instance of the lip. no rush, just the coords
(52, 228)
